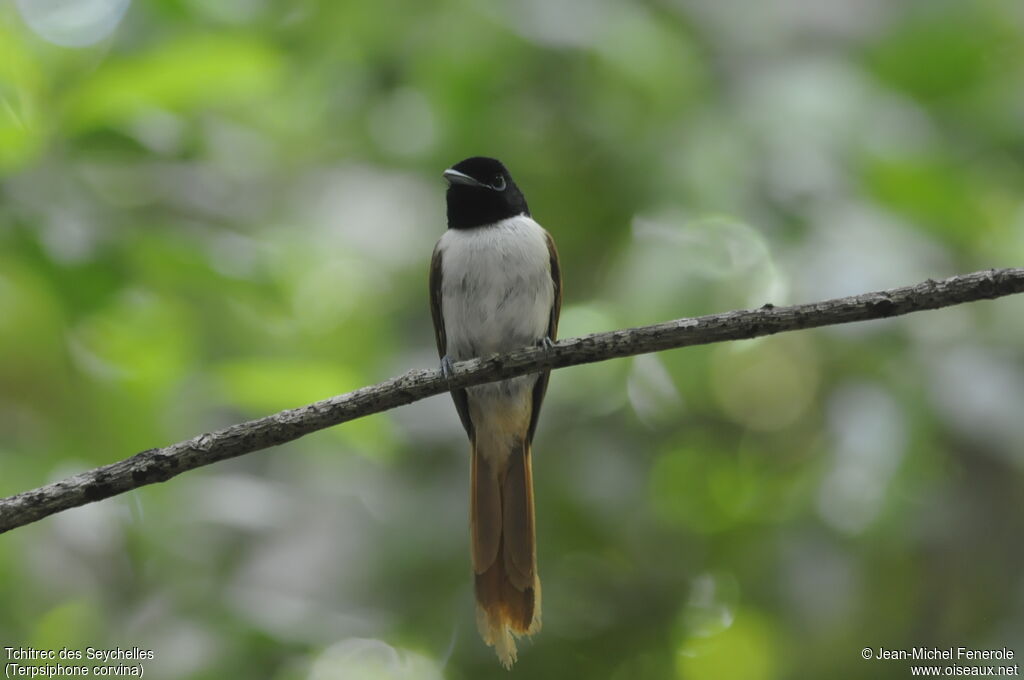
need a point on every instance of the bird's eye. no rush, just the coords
(499, 183)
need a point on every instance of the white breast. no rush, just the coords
(496, 290)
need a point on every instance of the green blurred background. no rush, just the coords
(210, 211)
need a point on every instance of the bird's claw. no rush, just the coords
(546, 342)
(447, 369)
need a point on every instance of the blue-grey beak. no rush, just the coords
(456, 177)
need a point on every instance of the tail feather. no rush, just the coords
(520, 548)
(504, 549)
(485, 513)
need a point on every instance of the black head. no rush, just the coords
(481, 192)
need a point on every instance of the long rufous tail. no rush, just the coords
(504, 544)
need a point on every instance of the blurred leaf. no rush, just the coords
(21, 83)
(143, 341)
(746, 650)
(183, 74)
(72, 624)
(936, 54)
(264, 385)
(939, 196)
(31, 323)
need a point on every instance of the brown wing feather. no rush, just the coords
(458, 396)
(541, 386)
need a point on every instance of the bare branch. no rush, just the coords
(159, 465)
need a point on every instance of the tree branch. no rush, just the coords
(159, 465)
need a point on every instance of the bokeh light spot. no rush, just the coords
(73, 23)
(743, 651)
(767, 385)
(369, 659)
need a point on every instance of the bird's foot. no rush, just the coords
(546, 342)
(447, 368)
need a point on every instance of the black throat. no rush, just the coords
(471, 207)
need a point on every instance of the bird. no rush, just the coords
(496, 286)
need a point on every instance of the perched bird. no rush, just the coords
(495, 286)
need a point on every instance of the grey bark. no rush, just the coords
(159, 465)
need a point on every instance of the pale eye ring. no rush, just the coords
(499, 183)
